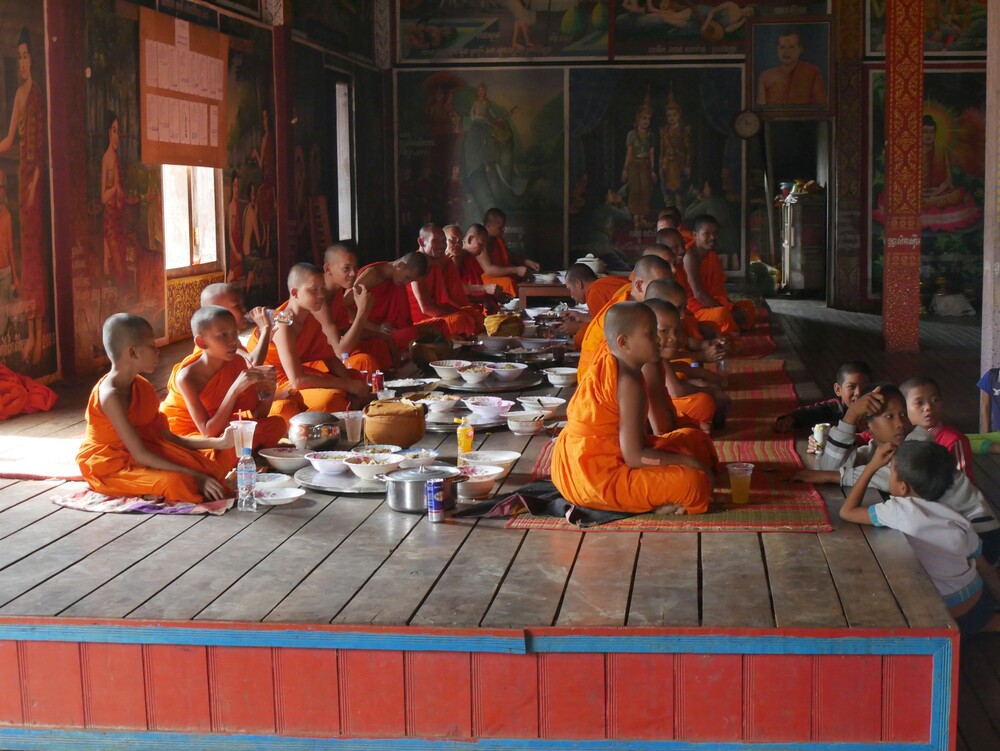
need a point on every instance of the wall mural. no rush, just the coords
(250, 180)
(951, 27)
(438, 30)
(471, 139)
(347, 26)
(124, 262)
(953, 165)
(311, 132)
(695, 29)
(27, 309)
(645, 138)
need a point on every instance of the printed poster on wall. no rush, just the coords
(952, 28)
(470, 139)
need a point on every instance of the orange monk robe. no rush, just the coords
(593, 336)
(698, 407)
(589, 470)
(500, 256)
(391, 305)
(266, 434)
(371, 353)
(713, 282)
(444, 287)
(599, 293)
(313, 350)
(108, 467)
(469, 270)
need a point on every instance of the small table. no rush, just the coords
(533, 289)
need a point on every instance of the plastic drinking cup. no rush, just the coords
(242, 434)
(386, 394)
(820, 432)
(739, 480)
(353, 422)
(265, 389)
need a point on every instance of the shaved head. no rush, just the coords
(300, 273)
(668, 290)
(213, 294)
(624, 319)
(334, 252)
(660, 306)
(670, 237)
(648, 268)
(580, 272)
(416, 262)
(661, 251)
(208, 316)
(124, 330)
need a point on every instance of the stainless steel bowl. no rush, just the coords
(314, 431)
(405, 487)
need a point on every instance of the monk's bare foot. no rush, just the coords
(670, 509)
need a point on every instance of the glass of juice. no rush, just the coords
(739, 480)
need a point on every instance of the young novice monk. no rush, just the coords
(464, 252)
(924, 406)
(439, 296)
(213, 384)
(128, 448)
(603, 458)
(230, 297)
(945, 543)
(586, 288)
(852, 376)
(304, 359)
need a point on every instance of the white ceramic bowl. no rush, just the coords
(475, 373)
(561, 376)
(272, 496)
(272, 480)
(488, 407)
(417, 457)
(479, 482)
(505, 459)
(448, 369)
(285, 458)
(496, 344)
(366, 466)
(525, 423)
(328, 462)
(440, 402)
(544, 278)
(546, 404)
(374, 449)
(507, 371)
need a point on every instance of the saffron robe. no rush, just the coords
(713, 283)
(371, 353)
(593, 336)
(588, 467)
(599, 293)
(391, 305)
(108, 467)
(443, 286)
(174, 407)
(500, 256)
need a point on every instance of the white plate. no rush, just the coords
(277, 496)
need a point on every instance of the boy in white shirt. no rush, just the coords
(944, 542)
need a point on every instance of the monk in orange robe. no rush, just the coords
(366, 350)
(306, 365)
(704, 280)
(464, 252)
(604, 459)
(128, 448)
(586, 288)
(647, 268)
(439, 297)
(698, 341)
(670, 218)
(213, 385)
(230, 297)
(390, 309)
(499, 265)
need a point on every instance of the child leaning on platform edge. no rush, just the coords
(883, 409)
(852, 376)
(920, 475)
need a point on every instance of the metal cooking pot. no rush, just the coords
(405, 487)
(314, 431)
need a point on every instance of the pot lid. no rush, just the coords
(312, 418)
(426, 472)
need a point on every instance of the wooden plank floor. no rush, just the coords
(351, 560)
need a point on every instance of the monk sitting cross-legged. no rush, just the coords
(439, 297)
(209, 388)
(230, 297)
(365, 350)
(704, 280)
(386, 282)
(604, 459)
(647, 268)
(464, 252)
(499, 264)
(698, 342)
(128, 448)
(303, 358)
(585, 287)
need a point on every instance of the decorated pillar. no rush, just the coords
(904, 95)
(990, 351)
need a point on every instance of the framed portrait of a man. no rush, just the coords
(790, 67)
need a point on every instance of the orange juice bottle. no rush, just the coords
(466, 432)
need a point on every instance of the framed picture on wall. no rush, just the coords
(791, 67)
(952, 29)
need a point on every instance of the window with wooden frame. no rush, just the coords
(193, 222)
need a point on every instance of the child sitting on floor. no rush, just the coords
(128, 448)
(988, 441)
(213, 384)
(923, 407)
(603, 458)
(882, 408)
(852, 376)
(230, 297)
(945, 543)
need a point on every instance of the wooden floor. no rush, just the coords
(351, 560)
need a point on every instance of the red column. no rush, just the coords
(904, 94)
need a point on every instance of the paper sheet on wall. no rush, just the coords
(152, 64)
(182, 34)
(175, 120)
(164, 124)
(184, 70)
(213, 126)
(163, 65)
(152, 118)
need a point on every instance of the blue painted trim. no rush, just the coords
(723, 644)
(17, 739)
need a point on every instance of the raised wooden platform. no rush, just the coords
(338, 623)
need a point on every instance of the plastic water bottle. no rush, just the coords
(246, 481)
